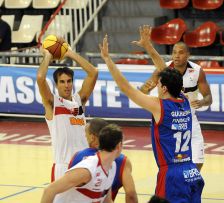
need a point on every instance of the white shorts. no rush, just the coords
(197, 142)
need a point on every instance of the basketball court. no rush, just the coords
(26, 159)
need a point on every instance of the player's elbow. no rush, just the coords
(40, 78)
(95, 73)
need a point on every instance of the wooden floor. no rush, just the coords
(26, 159)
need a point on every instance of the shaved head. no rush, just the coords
(182, 44)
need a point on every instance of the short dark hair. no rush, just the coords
(182, 44)
(157, 199)
(173, 80)
(95, 125)
(60, 71)
(109, 137)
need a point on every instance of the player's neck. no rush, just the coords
(181, 68)
(107, 159)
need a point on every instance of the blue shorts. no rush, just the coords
(180, 183)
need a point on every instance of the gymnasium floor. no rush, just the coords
(26, 159)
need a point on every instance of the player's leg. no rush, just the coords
(197, 143)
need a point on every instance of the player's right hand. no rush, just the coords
(46, 53)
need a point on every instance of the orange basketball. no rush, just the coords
(56, 45)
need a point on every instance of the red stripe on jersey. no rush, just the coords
(161, 182)
(100, 164)
(91, 194)
(62, 110)
(53, 173)
(160, 187)
(122, 169)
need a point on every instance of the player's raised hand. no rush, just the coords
(104, 48)
(145, 36)
(68, 53)
(46, 53)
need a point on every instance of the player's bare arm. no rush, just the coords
(108, 198)
(90, 80)
(149, 103)
(204, 90)
(73, 178)
(150, 83)
(145, 42)
(128, 183)
(44, 89)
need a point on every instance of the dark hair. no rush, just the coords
(60, 71)
(157, 199)
(173, 80)
(109, 137)
(96, 124)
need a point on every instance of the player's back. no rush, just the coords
(171, 136)
(178, 179)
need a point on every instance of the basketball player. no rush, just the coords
(64, 113)
(178, 178)
(194, 81)
(123, 177)
(90, 180)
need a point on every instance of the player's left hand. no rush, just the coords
(104, 48)
(68, 53)
(196, 104)
(145, 36)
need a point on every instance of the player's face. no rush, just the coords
(65, 86)
(180, 55)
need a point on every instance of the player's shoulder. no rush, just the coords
(194, 65)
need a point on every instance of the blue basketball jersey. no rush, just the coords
(171, 137)
(178, 179)
(80, 155)
(120, 163)
(117, 184)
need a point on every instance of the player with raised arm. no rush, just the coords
(178, 178)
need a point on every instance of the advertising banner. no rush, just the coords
(19, 93)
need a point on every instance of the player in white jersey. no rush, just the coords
(194, 81)
(65, 113)
(92, 178)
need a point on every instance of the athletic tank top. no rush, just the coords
(97, 188)
(171, 137)
(67, 128)
(190, 80)
(120, 163)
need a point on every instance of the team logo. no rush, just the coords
(181, 156)
(74, 111)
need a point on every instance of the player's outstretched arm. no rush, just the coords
(145, 42)
(92, 74)
(150, 83)
(128, 183)
(147, 102)
(75, 177)
(44, 89)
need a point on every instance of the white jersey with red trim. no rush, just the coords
(190, 84)
(67, 128)
(96, 189)
(190, 80)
